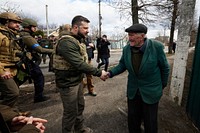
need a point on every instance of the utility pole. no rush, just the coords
(180, 60)
(47, 23)
(100, 18)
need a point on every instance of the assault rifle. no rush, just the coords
(25, 62)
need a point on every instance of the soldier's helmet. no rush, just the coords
(10, 16)
(27, 22)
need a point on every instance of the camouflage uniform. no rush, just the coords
(9, 46)
(32, 46)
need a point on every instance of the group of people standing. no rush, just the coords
(19, 62)
(143, 58)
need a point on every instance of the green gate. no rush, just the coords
(193, 103)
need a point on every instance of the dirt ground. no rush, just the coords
(107, 112)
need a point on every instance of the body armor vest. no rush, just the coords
(8, 47)
(59, 63)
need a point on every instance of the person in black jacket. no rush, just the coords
(174, 47)
(103, 52)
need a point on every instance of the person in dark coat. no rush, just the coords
(103, 52)
(174, 47)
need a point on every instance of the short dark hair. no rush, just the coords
(104, 36)
(78, 19)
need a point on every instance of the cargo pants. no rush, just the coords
(73, 105)
(9, 92)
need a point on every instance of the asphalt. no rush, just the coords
(105, 113)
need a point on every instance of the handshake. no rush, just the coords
(104, 75)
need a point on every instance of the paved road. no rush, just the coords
(105, 113)
(98, 109)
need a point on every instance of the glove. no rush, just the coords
(21, 75)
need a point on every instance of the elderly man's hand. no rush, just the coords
(104, 75)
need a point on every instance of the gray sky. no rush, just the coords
(62, 11)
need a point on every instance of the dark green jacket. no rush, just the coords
(70, 51)
(153, 72)
(32, 45)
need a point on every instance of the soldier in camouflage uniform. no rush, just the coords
(69, 72)
(32, 46)
(9, 46)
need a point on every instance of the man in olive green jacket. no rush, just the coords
(148, 72)
(69, 71)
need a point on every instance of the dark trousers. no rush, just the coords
(38, 78)
(139, 111)
(104, 61)
(9, 92)
(73, 105)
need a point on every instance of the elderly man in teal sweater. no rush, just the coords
(148, 71)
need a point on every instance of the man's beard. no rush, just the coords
(81, 35)
(14, 28)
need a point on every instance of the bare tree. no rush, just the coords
(15, 8)
(143, 10)
(148, 11)
(93, 32)
(169, 12)
(9, 7)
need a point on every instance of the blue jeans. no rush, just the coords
(104, 61)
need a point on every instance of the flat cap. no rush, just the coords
(137, 28)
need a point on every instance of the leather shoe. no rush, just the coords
(42, 99)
